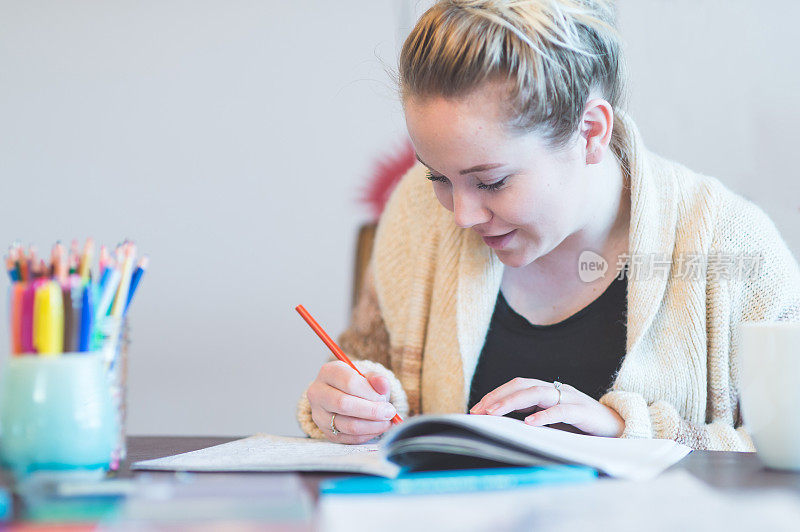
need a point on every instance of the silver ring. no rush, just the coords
(558, 389)
(333, 427)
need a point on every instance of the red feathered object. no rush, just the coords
(386, 174)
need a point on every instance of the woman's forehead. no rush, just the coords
(444, 131)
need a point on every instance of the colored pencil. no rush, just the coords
(24, 270)
(335, 349)
(86, 260)
(26, 325)
(108, 290)
(18, 292)
(11, 267)
(125, 281)
(137, 276)
(87, 319)
(59, 306)
(48, 319)
(103, 261)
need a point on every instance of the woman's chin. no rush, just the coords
(517, 257)
(511, 258)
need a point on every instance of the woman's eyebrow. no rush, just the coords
(474, 169)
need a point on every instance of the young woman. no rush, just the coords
(558, 271)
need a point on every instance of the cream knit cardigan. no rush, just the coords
(430, 291)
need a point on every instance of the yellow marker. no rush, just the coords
(124, 282)
(86, 260)
(48, 319)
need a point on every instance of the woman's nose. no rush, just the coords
(469, 211)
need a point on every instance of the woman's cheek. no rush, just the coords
(444, 196)
(512, 214)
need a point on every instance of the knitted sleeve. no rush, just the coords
(366, 342)
(769, 291)
(661, 420)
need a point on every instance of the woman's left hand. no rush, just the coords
(575, 407)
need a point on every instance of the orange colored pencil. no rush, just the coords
(33, 262)
(335, 349)
(24, 268)
(16, 317)
(61, 268)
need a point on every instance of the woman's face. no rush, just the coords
(523, 198)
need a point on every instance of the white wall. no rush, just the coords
(230, 139)
(715, 87)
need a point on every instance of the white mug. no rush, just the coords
(769, 356)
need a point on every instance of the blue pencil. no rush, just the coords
(104, 278)
(137, 276)
(87, 319)
(108, 289)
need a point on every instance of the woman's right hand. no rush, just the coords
(361, 406)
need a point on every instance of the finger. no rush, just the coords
(561, 413)
(359, 427)
(344, 378)
(512, 386)
(351, 439)
(334, 400)
(541, 396)
(323, 418)
(379, 383)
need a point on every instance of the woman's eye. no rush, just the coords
(493, 186)
(431, 177)
(482, 186)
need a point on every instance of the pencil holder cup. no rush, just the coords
(56, 413)
(115, 358)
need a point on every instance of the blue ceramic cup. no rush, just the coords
(56, 413)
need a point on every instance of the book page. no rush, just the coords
(265, 452)
(625, 458)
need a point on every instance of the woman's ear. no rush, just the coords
(596, 126)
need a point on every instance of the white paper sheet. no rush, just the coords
(265, 452)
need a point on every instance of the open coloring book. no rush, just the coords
(429, 442)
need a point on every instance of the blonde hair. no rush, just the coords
(552, 53)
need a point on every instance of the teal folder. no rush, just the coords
(455, 481)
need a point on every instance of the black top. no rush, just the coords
(584, 350)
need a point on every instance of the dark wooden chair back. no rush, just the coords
(364, 242)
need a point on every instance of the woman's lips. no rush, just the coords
(499, 242)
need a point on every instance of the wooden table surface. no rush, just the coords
(727, 471)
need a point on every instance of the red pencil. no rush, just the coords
(335, 349)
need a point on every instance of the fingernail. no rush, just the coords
(388, 411)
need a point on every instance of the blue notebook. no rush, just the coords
(455, 481)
